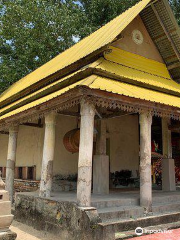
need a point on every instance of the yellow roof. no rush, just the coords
(138, 62)
(109, 85)
(157, 79)
(88, 45)
(139, 69)
(129, 90)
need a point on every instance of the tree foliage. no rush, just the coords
(176, 8)
(33, 32)
(99, 12)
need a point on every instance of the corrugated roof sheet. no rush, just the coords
(138, 62)
(139, 69)
(119, 66)
(88, 45)
(109, 85)
(158, 35)
(129, 90)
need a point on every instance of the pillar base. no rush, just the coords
(168, 175)
(101, 174)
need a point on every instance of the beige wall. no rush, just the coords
(124, 145)
(146, 49)
(65, 162)
(29, 148)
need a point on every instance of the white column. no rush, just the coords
(85, 154)
(11, 160)
(48, 155)
(145, 120)
(101, 161)
(168, 166)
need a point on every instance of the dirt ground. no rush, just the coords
(25, 232)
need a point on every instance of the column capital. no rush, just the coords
(50, 118)
(14, 128)
(145, 116)
(87, 108)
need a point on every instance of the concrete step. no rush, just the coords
(5, 208)
(134, 201)
(148, 230)
(133, 212)
(166, 207)
(124, 225)
(116, 203)
(120, 212)
(169, 198)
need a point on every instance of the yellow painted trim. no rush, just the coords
(137, 62)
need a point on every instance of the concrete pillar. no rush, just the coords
(168, 166)
(11, 160)
(48, 155)
(101, 162)
(85, 154)
(166, 138)
(101, 138)
(145, 120)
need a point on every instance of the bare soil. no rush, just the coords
(25, 232)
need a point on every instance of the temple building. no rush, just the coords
(88, 125)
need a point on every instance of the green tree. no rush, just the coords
(99, 12)
(33, 32)
(176, 8)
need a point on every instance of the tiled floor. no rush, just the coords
(173, 235)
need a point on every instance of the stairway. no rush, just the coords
(123, 216)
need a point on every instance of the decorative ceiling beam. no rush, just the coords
(117, 115)
(151, 3)
(174, 65)
(37, 125)
(166, 32)
(163, 35)
(69, 114)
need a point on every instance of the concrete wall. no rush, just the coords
(124, 146)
